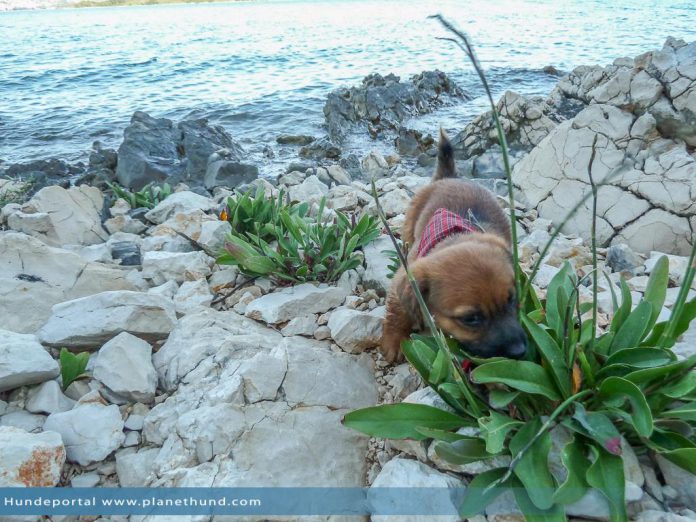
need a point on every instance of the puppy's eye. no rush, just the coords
(472, 320)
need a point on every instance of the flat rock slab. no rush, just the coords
(252, 407)
(30, 286)
(286, 304)
(91, 321)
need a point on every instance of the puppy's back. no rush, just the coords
(463, 197)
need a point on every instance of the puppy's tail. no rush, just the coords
(445, 159)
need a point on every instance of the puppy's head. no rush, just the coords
(469, 288)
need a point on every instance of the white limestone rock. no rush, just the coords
(124, 366)
(60, 217)
(404, 473)
(90, 431)
(184, 202)
(24, 361)
(29, 286)
(192, 296)
(48, 398)
(160, 267)
(285, 304)
(30, 459)
(356, 331)
(91, 321)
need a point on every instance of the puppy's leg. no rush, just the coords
(402, 317)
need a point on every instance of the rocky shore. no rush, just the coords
(201, 376)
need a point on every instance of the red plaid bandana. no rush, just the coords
(442, 225)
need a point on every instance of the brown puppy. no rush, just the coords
(459, 253)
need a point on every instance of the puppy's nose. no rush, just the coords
(516, 350)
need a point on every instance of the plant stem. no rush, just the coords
(594, 242)
(462, 41)
(681, 298)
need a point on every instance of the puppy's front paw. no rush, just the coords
(391, 349)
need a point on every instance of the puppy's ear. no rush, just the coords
(407, 296)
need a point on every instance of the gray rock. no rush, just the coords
(404, 473)
(639, 119)
(90, 431)
(620, 258)
(149, 152)
(24, 361)
(184, 202)
(356, 331)
(85, 480)
(679, 479)
(160, 267)
(91, 321)
(30, 459)
(311, 190)
(24, 420)
(134, 469)
(383, 102)
(320, 149)
(192, 296)
(377, 264)
(62, 217)
(199, 141)
(285, 304)
(48, 398)
(303, 325)
(124, 366)
(126, 253)
(226, 169)
(294, 139)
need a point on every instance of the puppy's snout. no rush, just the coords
(517, 349)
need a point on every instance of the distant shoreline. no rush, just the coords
(48, 5)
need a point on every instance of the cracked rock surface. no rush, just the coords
(634, 141)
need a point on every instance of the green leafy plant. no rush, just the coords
(283, 241)
(148, 197)
(394, 262)
(18, 192)
(601, 389)
(72, 366)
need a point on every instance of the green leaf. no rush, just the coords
(685, 458)
(681, 387)
(440, 368)
(532, 513)
(641, 357)
(420, 355)
(464, 451)
(500, 399)
(258, 264)
(533, 469)
(648, 374)
(495, 428)
(576, 464)
(399, 421)
(555, 300)
(666, 440)
(607, 475)
(687, 315)
(478, 495)
(599, 427)
(552, 354)
(625, 308)
(445, 436)
(521, 375)
(656, 290)
(632, 330)
(72, 366)
(614, 391)
(685, 412)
